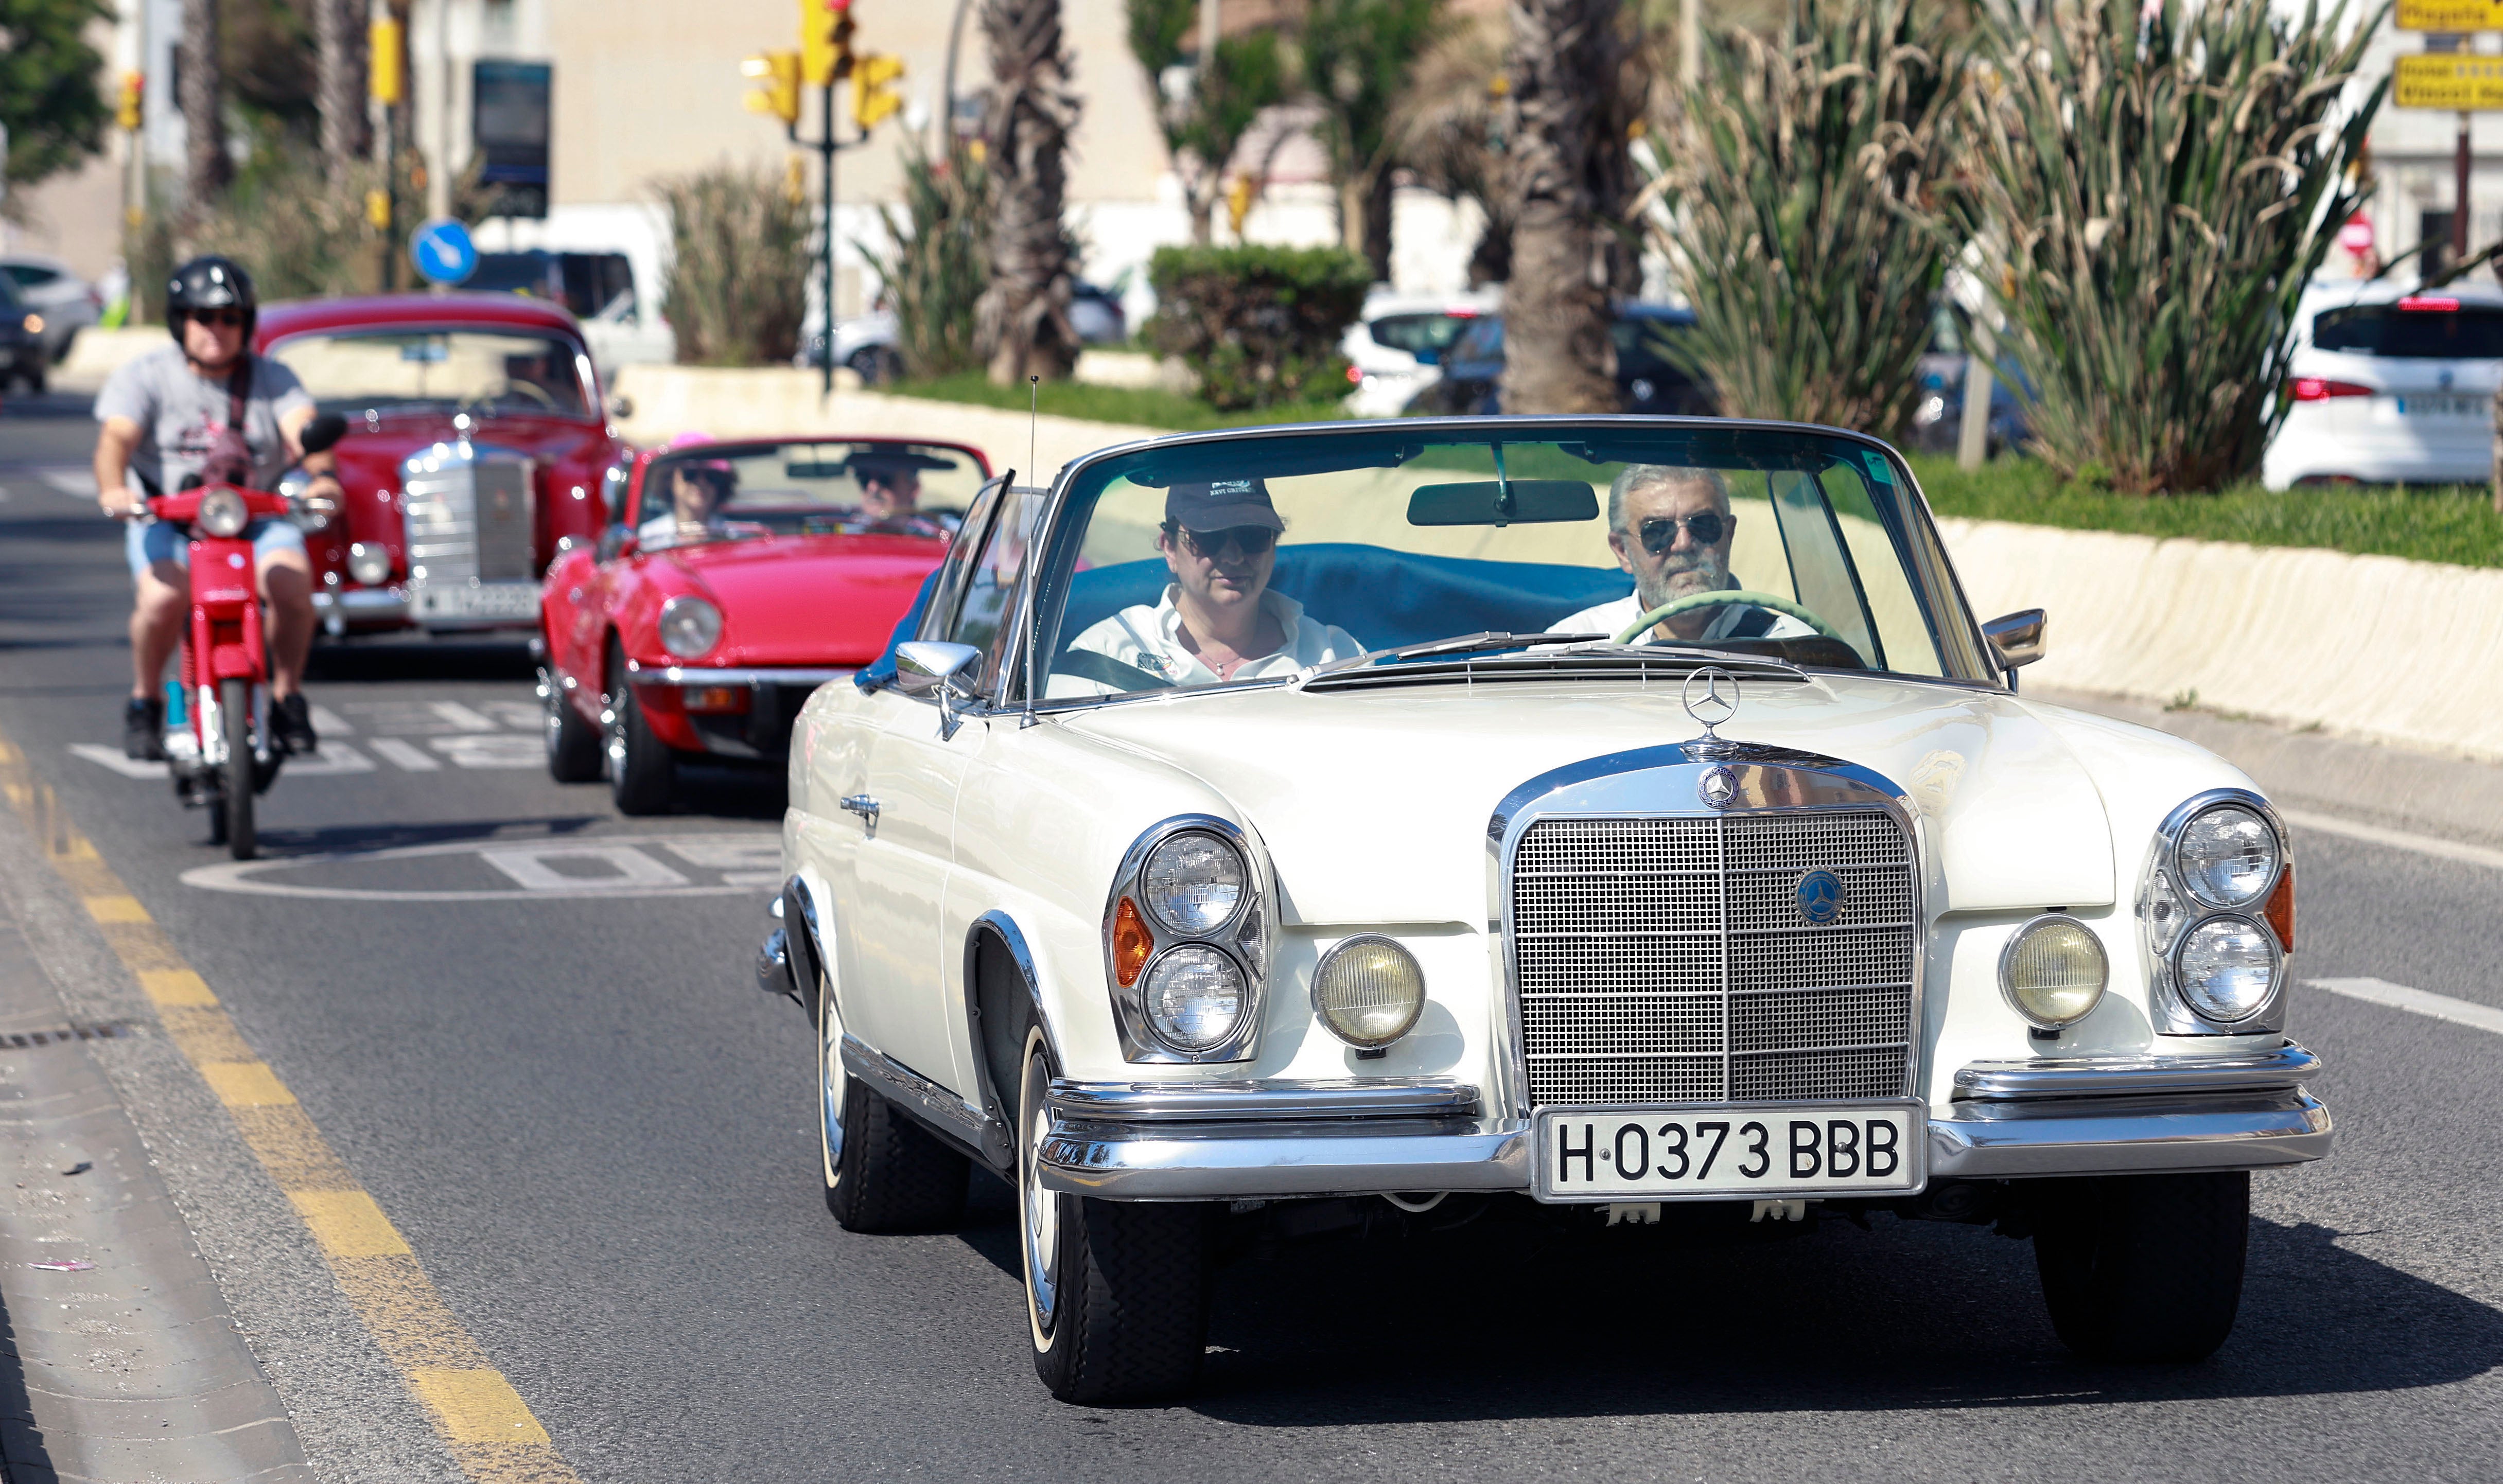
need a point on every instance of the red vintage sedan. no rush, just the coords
(477, 443)
(736, 578)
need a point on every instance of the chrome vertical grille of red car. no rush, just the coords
(469, 518)
(1670, 959)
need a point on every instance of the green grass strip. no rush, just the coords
(1140, 406)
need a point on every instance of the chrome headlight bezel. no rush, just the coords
(222, 513)
(2167, 913)
(1247, 937)
(690, 626)
(2007, 965)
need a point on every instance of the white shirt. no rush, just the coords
(1150, 639)
(1611, 619)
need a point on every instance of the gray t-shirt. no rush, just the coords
(181, 413)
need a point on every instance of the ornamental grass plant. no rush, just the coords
(933, 275)
(1800, 186)
(737, 283)
(2153, 182)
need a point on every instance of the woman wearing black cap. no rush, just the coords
(1217, 620)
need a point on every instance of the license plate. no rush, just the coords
(1791, 1149)
(486, 600)
(2446, 407)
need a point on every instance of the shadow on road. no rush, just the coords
(21, 1439)
(389, 661)
(346, 839)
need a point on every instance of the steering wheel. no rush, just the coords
(1723, 598)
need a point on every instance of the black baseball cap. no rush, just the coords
(1221, 504)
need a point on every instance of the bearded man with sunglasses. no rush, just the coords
(1217, 620)
(1671, 527)
(207, 410)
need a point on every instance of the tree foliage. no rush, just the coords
(737, 283)
(936, 266)
(52, 86)
(1358, 58)
(1204, 123)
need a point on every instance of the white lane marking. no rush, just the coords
(407, 756)
(329, 762)
(627, 868)
(461, 716)
(2400, 839)
(74, 481)
(499, 750)
(246, 876)
(520, 716)
(326, 723)
(2398, 997)
(754, 860)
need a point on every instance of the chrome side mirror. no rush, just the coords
(614, 542)
(2015, 638)
(947, 671)
(621, 407)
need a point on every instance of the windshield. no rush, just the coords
(515, 370)
(727, 491)
(2428, 327)
(1266, 557)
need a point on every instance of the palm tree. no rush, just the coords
(340, 26)
(1568, 178)
(203, 102)
(1447, 129)
(1022, 328)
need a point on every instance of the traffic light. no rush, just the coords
(385, 80)
(777, 84)
(872, 99)
(126, 113)
(825, 41)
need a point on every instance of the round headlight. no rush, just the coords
(370, 562)
(1194, 998)
(2227, 969)
(689, 627)
(1368, 990)
(2227, 857)
(2053, 971)
(1194, 883)
(222, 513)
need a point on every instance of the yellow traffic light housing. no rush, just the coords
(776, 75)
(386, 80)
(126, 113)
(825, 41)
(872, 101)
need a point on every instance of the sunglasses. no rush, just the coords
(1707, 527)
(221, 318)
(1250, 540)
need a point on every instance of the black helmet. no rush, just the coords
(211, 283)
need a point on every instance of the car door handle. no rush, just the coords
(866, 807)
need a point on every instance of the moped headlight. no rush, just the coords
(2054, 971)
(222, 513)
(1369, 991)
(2227, 857)
(690, 626)
(370, 562)
(2227, 969)
(1193, 997)
(1194, 883)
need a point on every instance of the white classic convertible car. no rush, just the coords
(1616, 820)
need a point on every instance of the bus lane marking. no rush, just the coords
(332, 762)
(618, 866)
(406, 756)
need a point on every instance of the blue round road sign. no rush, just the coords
(443, 252)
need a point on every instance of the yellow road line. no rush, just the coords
(488, 1426)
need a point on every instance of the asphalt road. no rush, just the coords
(594, 1134)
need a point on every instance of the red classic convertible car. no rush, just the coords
(736, 578)
(476, 444)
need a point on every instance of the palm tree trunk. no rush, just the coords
(340, 26)
(1565, 180)
(203, 102)
(1022, 326)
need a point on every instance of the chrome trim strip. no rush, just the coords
(1350, 1157)
(2127, 1135)
(362, 602)
(2286, 1066)
(917, 1095)
(749, 675)
(1166, 1103)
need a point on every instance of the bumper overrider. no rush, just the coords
(2073, 1116)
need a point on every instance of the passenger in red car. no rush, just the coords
(698, 490)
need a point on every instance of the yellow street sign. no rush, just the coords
(2450, 16)
(2458, 80)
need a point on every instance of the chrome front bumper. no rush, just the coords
(1245, 1140)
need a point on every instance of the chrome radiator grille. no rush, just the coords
(470, 518)
(1669, 960)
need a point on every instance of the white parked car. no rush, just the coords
(1395, 349)
(2392, 385)
(1602, 820)
(67, 302)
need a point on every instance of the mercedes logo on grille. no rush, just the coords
(1820, 896)
(1719, 787)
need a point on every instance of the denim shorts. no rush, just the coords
(148, 542)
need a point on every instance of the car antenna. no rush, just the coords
(1033, 416)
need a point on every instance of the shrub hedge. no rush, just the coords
(1259, 325)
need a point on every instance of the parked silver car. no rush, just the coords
(66, 302)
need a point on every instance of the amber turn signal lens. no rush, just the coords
(2279, 914)
(1131, 943)
(716, 698)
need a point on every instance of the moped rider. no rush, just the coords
(207, 410)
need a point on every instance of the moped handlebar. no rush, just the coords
(220, 510)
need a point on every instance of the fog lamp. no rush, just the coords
(689, 627)
(222, 513)
(2053, 971)
(1193, 883)
(2227, 969)
(370, 562)
(1193, 997)
(1369, 991)
(2228, 857)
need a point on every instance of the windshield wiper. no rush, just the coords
(1466, 644)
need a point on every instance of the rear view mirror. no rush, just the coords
(1504, 502)
(326, 429)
